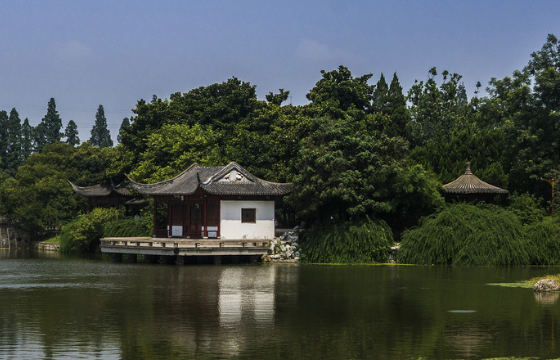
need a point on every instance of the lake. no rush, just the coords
(56, 307)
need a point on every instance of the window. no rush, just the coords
(248, 215)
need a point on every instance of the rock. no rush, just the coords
(275, 257)
(546, 285)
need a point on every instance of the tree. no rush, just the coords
(49, 129)
(71, 133)
(277, 99)
(347, 172)
(338, 91)
(26, 140)
(12, 158)
(124, 125)
(3, 133)
(100, 135)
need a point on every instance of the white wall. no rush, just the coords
(231, 226)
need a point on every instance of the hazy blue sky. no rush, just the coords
(86, 53)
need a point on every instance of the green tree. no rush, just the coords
(71, 133)
(277, 99)
(347, 173)
(124, 125)
(100, 135)
(12, 158)
(48, 131)
(4, 118)
(26, 140)
(338, 91)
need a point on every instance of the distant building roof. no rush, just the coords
(470, 184)
(101, 190)
(231, 179)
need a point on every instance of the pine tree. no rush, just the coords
(26, 140)
(12, 159)
(396, 107)
(100, 135)
(71, 133)
(379, 100)
(3, 135)
(51, 126)
(125, 123)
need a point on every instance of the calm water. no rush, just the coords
(54, 308)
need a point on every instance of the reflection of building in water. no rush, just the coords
(246, 303)
(467, 340)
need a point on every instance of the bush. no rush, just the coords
(128, 228)
(82, 235)
(527, 207)
(463, 234)
(356, 242)
(545, 238)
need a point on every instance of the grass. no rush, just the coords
(53, 240)
(528, 284)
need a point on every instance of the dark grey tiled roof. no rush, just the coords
(101, 189)
(231, 179)
(470, 184)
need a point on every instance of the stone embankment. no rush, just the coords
(12, 237)
(284, 248)
(48, 246)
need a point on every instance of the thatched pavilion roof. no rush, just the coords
(470, 184)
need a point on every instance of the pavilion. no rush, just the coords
(468, 187)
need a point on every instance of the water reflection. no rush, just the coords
(58, 308)
(546, 298)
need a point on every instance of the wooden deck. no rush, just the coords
(183, 247)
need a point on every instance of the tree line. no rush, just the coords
(360, 149)
(19, 140)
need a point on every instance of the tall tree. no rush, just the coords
(396, 107)
(12, 158)
(100, 135)
(380, 96)
(3, 129)
(124, 125)
(71, 133)
(49, 130)
(26, 140)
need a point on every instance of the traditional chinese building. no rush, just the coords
(205, 213)
(225, 202)
(109, 195)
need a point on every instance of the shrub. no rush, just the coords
(128, 228)
(83, 234)
(464, 234)
(352, 242)
(544, 236)
(527, 207)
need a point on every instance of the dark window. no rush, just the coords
(248, 215)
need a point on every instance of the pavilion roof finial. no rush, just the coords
(468, 169)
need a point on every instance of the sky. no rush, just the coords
(114, 53)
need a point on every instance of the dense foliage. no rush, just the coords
(82, 235)
(351, 242)
(129, 228)
(464, 234)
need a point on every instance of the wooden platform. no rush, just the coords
(183, 247)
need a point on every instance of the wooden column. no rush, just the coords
(204, 217)
(155, 217)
